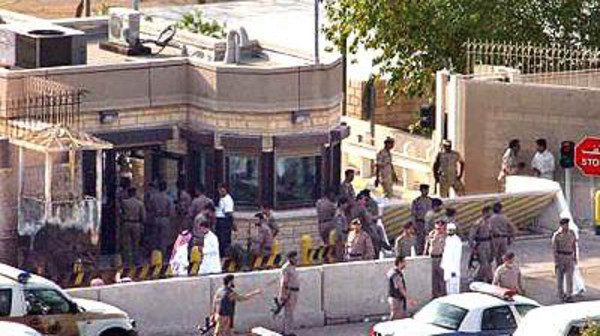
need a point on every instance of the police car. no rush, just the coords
(16, 329)
(487, 311)
(42, 305)
(560, 320)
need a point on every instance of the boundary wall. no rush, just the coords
(329, 294)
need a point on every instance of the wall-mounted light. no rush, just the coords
(299, 117)
(109, 116)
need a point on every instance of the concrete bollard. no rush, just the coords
(305, 248)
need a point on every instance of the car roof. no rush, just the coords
(565, 313)
(16, 327)
(9, 276)
(474, 300)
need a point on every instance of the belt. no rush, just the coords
(355, 254)
(132, 221)
(564, 252)
(436, 256)
(481, 240)
(501, 236)
(293, 289)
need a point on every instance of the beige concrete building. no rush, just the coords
(483, 112)
(266, 121)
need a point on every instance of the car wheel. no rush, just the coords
(114, 332)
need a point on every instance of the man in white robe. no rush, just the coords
(451, 260)
(211, 259)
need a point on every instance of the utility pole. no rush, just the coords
(317, 61)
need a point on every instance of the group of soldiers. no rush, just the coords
(354, 219)
(155, 222)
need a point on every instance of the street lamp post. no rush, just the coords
(317, 61)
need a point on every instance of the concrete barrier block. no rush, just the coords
(162, 307)
(256, 312)
(85, 293)
(357, 290)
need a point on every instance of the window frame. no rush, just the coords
(317, 183)
(510, 311)
(61, 295)
(226, 166)
(10, 301)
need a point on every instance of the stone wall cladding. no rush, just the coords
(399, 114)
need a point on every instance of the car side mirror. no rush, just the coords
(74, 308)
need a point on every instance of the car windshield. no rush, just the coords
(441, 314)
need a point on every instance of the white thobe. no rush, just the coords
(544, 163)
(451, 260)
(211, 260)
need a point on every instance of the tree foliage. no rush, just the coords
(196, 23)
(415, 38)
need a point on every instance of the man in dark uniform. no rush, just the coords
(508, 275)
(420, 206)
(268, 219)
(133, 217)
(359, 245)
(198, 203)
(480, 240)
(564, 246)
(224, 306)
(397, 292)
(162, 210)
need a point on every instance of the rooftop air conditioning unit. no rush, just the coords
(31, 46)
(124, 26)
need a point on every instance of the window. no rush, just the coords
(5, 302)
(442, 314)
(46, 302)
(498, 318)
(523, 309)
(242, 176)
(296, 180)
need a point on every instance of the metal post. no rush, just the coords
(48, 187)
(99, 181)
(20, 185)
(317, 32)
(568, 185)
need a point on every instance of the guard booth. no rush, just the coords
(56, 221)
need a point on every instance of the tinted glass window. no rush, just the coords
(46, 302)
(523, 309)
(242, 174)
(442, 315)
(5, 302)
(296, 180)
(498, 318)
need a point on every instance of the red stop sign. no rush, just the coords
(587, 156)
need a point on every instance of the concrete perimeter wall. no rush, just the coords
(329, 293)
(490, 113)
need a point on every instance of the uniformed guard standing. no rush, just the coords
(434, 247)
(224, 306)
(268, 218)
(503, 233)
(133, 215)
(198, 203)
(385, 169)
(508, 275)
(435, 214)
(326, 209)
(359, 245)
(406, 243)
(397, 292)
(162, 212)
(444, 170)
(289, 288)
(419, 208)
(564, 244)
(480, 240)
(347, 189)
(340, 223)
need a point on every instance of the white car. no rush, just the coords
(472, 313)
(16, 329)
(560, 320)
(42, 305)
